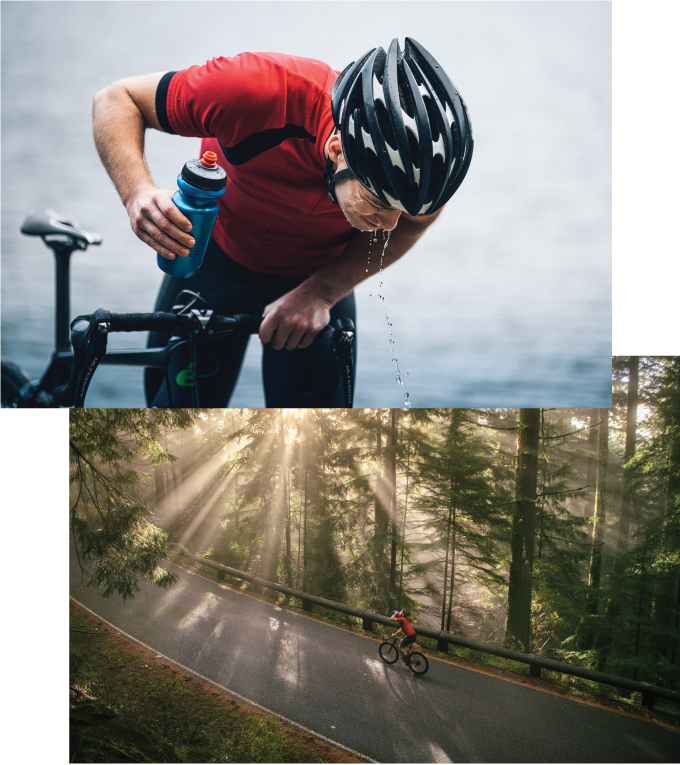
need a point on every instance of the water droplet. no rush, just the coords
(390, 341)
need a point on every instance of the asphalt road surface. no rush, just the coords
(334, 683)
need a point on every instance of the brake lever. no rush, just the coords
(89, 336)
(342, 342)
(93, 341)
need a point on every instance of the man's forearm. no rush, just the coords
(353, 266)
(119, 129)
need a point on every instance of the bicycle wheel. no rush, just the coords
(14, 378)
(389, 652)
(418, 663)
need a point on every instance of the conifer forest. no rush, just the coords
(551, 531)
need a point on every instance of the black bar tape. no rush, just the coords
(148, 322)
(247, 325)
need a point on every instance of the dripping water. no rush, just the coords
(373, 239)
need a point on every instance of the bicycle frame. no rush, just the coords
(178, 358)
(396, 642)
(61, 362)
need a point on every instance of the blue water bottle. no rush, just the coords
(200, 183)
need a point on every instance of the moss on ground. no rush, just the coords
(97, 734)
(128, 704)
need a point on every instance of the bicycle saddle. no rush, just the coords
(48, 223)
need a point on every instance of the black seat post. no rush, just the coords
(62, 236)
(62, 260)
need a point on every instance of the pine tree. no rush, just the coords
(518, 625)
(457, 494)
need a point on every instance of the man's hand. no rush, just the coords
(158, 222)
(294, 320)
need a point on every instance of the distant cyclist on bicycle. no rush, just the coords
(407, 630)
(313, 158)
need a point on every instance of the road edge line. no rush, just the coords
(221, 687)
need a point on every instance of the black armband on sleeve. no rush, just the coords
(162, 100)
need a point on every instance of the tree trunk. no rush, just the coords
(403, 528)
(307, 452)
(629, 453)
(518, 625)
(382, 517)
(286, 501)
(446, 568)
(606, 641)
(600, 512)
(392, 465)
(304, 559)
(453, 566)
(591, 472)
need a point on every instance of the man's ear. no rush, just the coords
(335, 149)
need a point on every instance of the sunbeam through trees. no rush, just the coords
(551, 531)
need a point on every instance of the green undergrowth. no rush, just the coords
(128, 707)
(577, 686)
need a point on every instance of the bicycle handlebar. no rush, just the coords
(89, 337)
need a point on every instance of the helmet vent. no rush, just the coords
(410, 124)
(378, 94)
(394, 156)
(449, 115)
(438, 148)
(368, 141)
(413, 146)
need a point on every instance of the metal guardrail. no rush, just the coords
(536, 662)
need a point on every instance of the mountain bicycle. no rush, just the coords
(389, 652)
(81, 345)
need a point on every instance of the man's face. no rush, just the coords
(364, 210)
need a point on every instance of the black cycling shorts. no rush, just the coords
(230, 288)
(407, 640)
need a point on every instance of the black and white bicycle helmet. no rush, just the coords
(406, 134)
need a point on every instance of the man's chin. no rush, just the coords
(367, 227)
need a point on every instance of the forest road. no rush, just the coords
(334, 683)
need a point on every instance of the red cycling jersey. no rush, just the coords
(267, 116)
(406, 628)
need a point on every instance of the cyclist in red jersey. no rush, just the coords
(313, 158)
(406, 628)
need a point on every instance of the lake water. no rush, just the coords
(506, 301)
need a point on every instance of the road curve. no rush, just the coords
(333, 682)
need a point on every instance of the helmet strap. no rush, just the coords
(330, 179)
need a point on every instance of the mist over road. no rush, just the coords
(334, 683)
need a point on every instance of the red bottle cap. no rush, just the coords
(209, 159)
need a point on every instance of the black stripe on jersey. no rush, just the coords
(257, 143)
(161, 102)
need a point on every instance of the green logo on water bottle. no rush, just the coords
(186, 377)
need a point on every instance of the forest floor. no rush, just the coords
(118, 716)
(623, 706)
